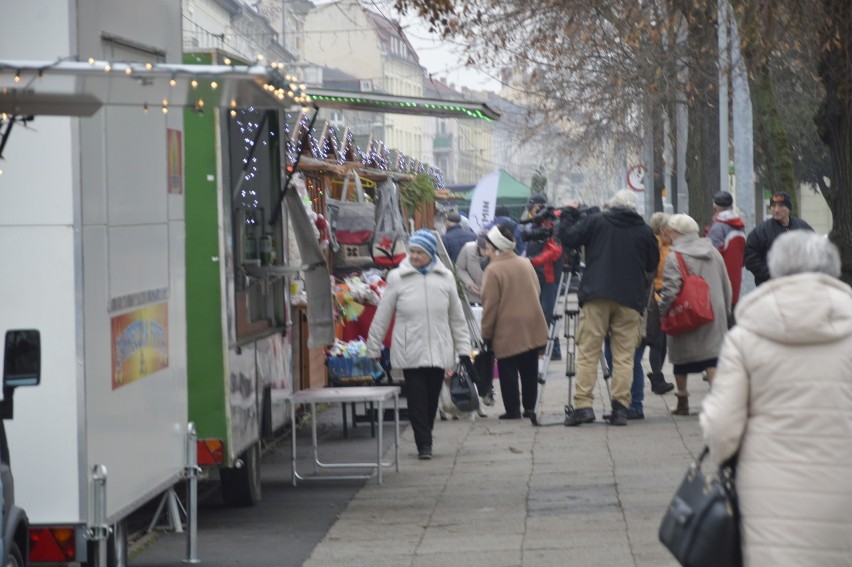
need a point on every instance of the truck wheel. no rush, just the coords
(241, 486)
(15, 559)
(116, 547)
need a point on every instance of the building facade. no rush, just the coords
(345, 36)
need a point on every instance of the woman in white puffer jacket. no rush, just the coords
(429, 331)
(782, 402)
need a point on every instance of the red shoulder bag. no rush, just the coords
(691, 308)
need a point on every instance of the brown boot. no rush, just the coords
(682, 404)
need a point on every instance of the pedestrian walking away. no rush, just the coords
(697, 350)
(513, 323)
(726, 234)
(781, 405)
(456, 236)
(429, 331)
(655, 338)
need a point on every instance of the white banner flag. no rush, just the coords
(484, 201)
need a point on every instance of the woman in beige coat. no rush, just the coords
(512, 322)
(697, 350)
(782, 402)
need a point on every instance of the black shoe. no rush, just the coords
(580, 416)
(658, 384)
(531, 415)
(635, 414)
(425, 454)
(508, 415)
(618, 415)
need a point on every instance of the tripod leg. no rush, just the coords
(607, 374)
(552, 337)
(571, 319)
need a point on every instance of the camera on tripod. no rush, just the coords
(543, 223)
(546, 221)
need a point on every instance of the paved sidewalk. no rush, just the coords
(505, 493)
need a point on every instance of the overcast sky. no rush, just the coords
(440, 58)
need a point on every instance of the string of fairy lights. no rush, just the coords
(327, 146)
(301, 140)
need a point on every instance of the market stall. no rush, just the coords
(363, 203)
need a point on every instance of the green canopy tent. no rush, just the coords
(511, 193)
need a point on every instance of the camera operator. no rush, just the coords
(545, 254)
(621, 256)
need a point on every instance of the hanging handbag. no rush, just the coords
(353, 224)
(701, 526)
(691, 308)
(390, 238)
(463, 388)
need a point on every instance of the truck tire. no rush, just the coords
(15, 558)
(116, 547)
(241, 486)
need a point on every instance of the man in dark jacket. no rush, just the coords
(456, 236)
(761, 238)
(621, 256)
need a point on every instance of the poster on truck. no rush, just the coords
(140, 343)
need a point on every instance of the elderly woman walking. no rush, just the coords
(697, 350)
(513, 322)
(782, 403)
(429, 330)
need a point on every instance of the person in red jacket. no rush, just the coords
(727, 235)
(546, 258)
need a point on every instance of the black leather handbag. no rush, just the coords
(463, 388)
(702, 525)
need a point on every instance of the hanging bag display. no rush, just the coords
(353, 224)
(701, 526)
(691, 308)
(390, 238)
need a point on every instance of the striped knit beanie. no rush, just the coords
(425, 240)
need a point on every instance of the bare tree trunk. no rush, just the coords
(834, 123)
(756, 22)
(702, 148)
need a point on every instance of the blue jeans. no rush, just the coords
(637, 387)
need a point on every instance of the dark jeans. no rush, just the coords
(637, 387)
(547, 298)
(656, 356)
(422, 390)
(525, 364)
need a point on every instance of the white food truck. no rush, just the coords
(92, 233)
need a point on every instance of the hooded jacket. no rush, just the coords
(621, 256)
(782, 397)
(701, 259)
(727, 235)
(430, 330)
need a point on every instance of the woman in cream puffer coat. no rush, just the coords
(782, 402)
(429, 331)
